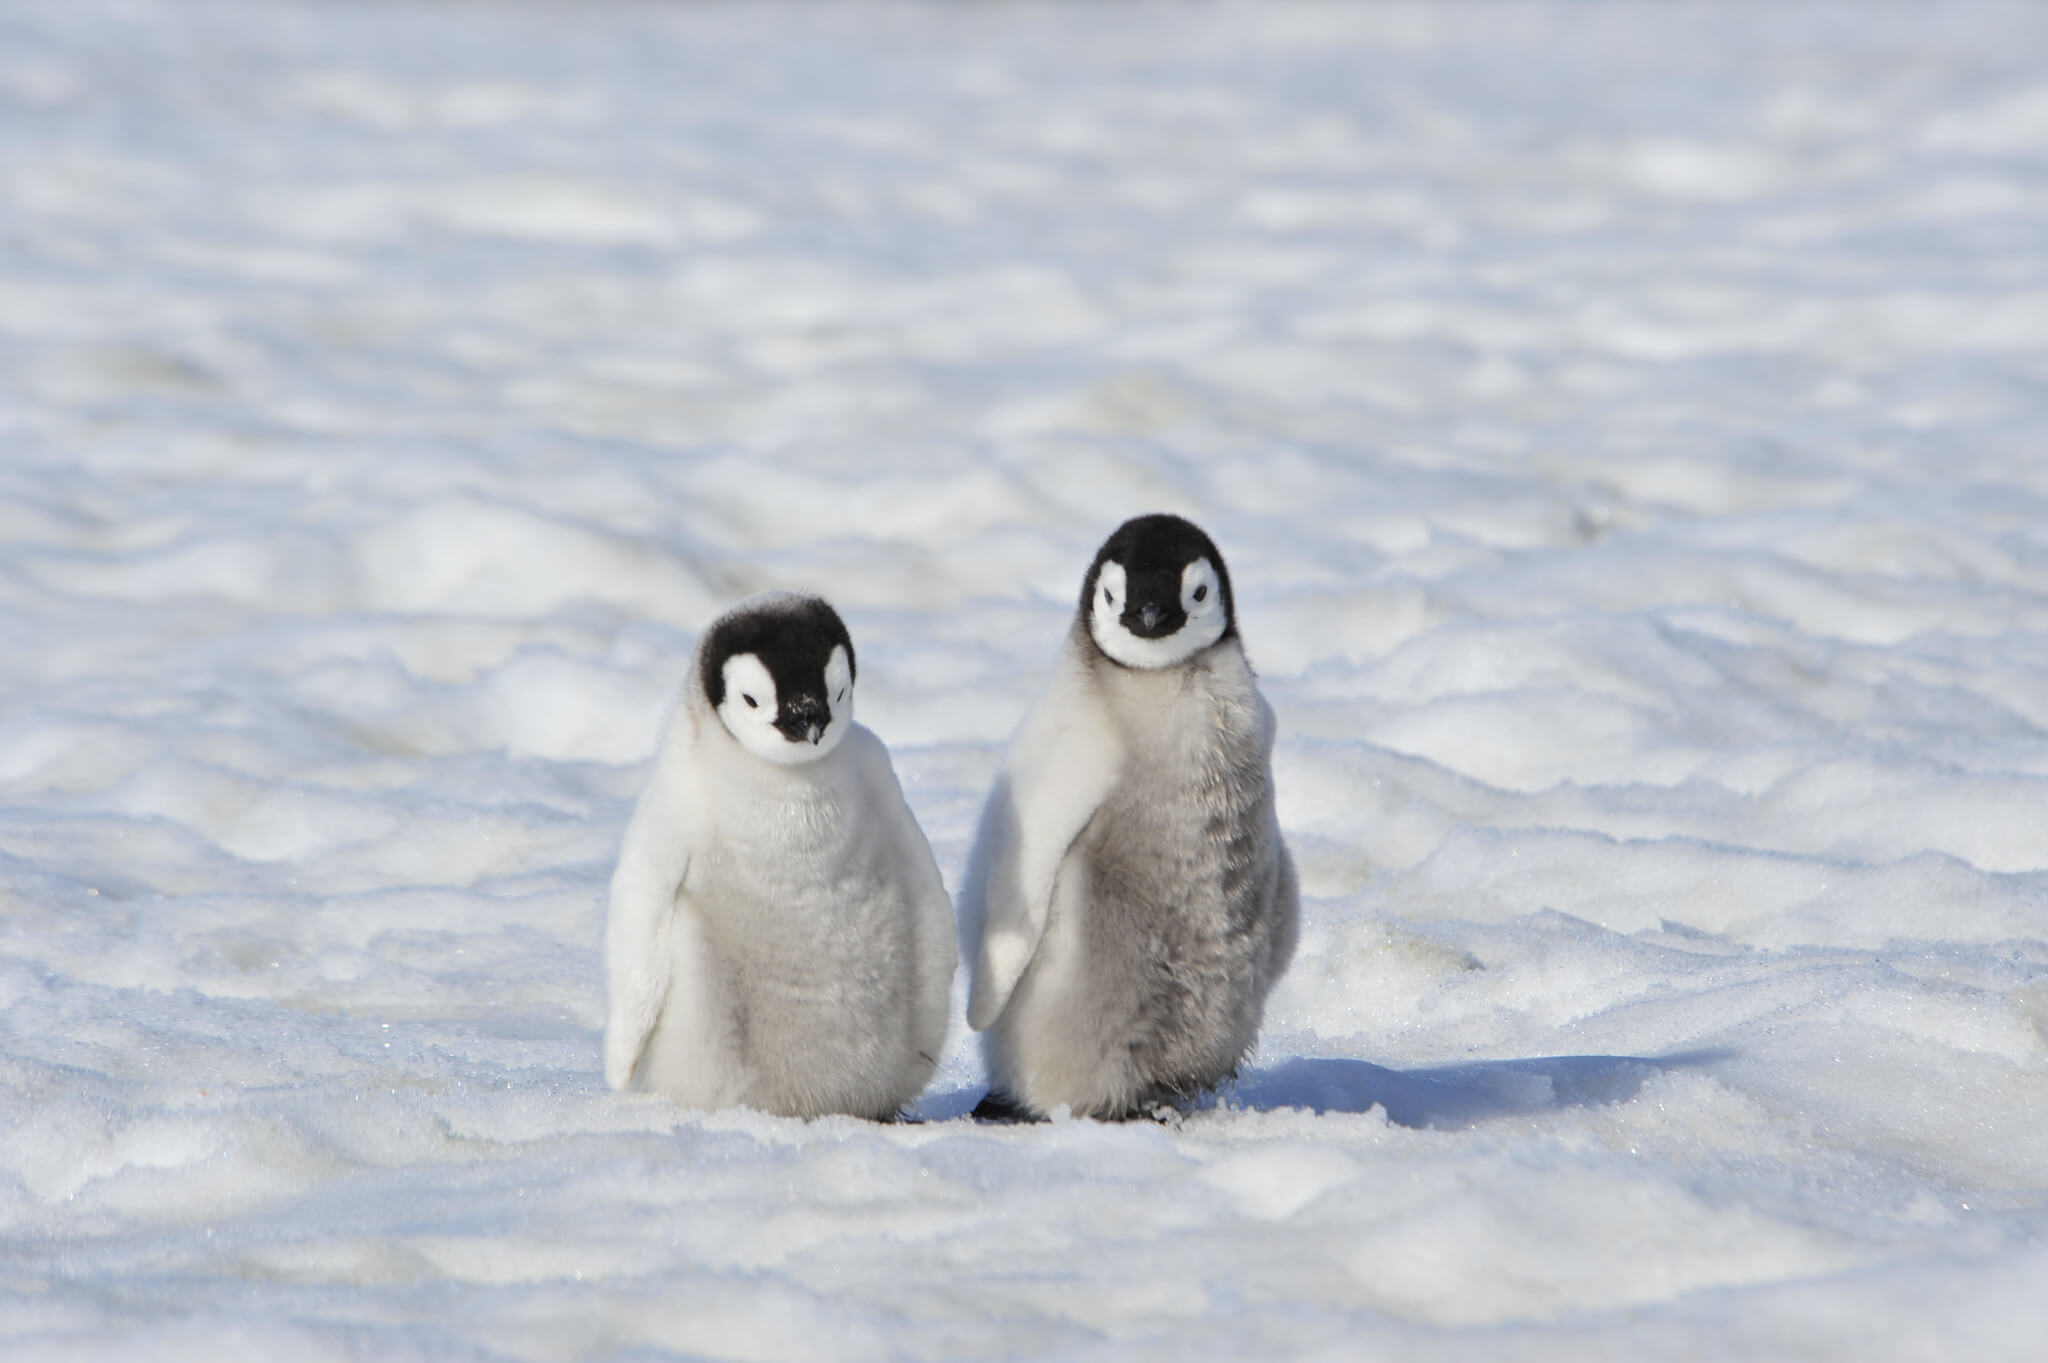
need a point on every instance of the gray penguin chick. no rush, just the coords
(1129, 902)
(778, 936)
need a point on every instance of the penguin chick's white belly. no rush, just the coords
(1173, 913)
(810, 933)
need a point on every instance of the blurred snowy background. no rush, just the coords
(1628, 429)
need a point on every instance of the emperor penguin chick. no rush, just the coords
(778, 936)
(1129, 902)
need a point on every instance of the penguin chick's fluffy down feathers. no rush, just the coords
(778, 934)
(1129, 902)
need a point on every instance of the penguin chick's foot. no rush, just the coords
(997, 1106)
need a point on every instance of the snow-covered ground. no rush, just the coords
(1628, 429)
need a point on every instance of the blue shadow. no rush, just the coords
(1455, 1096)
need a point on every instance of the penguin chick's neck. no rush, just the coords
(1146, 699)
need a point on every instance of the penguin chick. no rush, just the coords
(1129, 902)
(778, 935)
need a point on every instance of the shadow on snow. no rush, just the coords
(1442, 1097)
(1453, 1096)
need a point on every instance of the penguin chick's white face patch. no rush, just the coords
(791, 729)
(1157, 630)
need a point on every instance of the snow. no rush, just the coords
(1623, 424)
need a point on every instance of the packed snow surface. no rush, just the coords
(1625, 428)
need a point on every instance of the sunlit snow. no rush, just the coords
(1627, 427)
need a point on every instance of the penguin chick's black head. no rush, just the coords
(1154, 552)
(793, 636)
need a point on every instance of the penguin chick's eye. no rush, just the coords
(1108, 597)
(841, 696)
(752, 704)
(1202, 592)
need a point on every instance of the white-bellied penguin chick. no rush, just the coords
(778, 935)
(1129, 902)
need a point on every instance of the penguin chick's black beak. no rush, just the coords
(1150, 622)
(803, 721)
